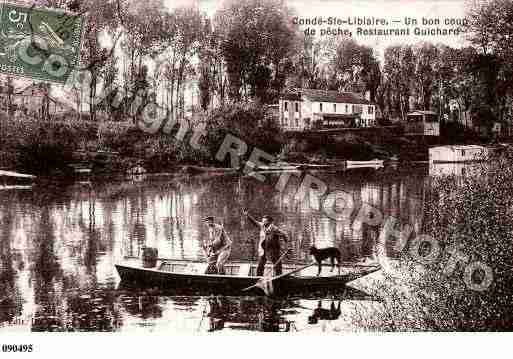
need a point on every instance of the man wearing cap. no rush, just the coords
(217, 248)
(269, 245)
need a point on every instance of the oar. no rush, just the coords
(280, 259)
(203, 315)
(263, 281)
(266, 286)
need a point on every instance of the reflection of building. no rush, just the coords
(305, 109)
(455, 154)
(422, 123)
(454, 169)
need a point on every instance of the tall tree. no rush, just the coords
(491, 29)
(426, 56)
(312, 63)
(179, 39)
(257, 42)
(399, 69)
(101, 18)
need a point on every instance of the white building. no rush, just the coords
(305, 109)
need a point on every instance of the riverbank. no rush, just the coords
(70, 147)
(58, 148)
(67, 147)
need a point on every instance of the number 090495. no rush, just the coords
(17, 348)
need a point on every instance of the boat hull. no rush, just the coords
(363, 163)
(132, 276)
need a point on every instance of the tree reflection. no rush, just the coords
(47, 276)
(10, 303)
(75, 234)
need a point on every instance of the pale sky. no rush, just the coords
(388, 9)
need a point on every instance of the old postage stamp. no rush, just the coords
(39, 43)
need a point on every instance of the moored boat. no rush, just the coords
(277, 168)
(239, 276)
(365, 164)
(10, 178)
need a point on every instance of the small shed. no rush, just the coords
(423, 123)
(458, 154)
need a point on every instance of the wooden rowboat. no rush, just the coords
(189, 275)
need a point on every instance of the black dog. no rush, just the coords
(324, 253)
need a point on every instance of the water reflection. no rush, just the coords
(457, 169)
(319, 313)
(59, 244)
(221, 313)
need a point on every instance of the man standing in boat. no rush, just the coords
(269, 244)
(217, 248)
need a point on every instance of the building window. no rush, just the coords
(297, 122)
(320, 107)
(286, 106)
(297, 106)
(335, 108)
(371, 110)
(347, 108)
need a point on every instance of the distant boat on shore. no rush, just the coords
(12, 174)
(278, 167)
(365, 164)
(458, 154)
(15, 188)
(10, 178)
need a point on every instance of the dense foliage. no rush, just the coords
(43, 147)
(473, 215)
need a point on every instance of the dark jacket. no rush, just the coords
(269, 237)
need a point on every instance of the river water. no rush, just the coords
(59, 243)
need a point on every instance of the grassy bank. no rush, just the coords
(354, 146)
(49, 147)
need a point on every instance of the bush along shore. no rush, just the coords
(53, 148)
(57, 147)
(469, 221)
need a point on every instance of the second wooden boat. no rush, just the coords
(365, 164)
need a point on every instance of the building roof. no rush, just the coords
(35, 89)
(326, 96)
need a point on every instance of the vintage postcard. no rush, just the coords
(225, 167)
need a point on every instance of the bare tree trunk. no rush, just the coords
(92, 96)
